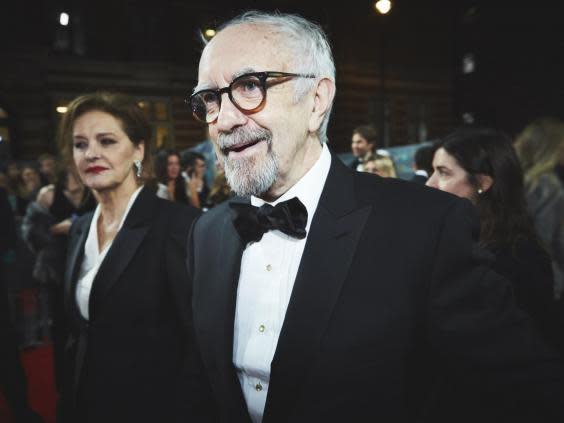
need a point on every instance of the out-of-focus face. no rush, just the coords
(103, 153)
(13, 171)
(269, 150)
(172, 166)
(47, 166)
(372, 166)
(200, 168)
(30, 177)
(449, 176)
(359, 146)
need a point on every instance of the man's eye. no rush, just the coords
(209, 98)
(247, 85)
(250, 85)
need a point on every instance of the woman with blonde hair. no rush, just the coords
(381, 165)
(539, 147)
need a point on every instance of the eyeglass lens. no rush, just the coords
(247, 93)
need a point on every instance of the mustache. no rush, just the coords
(242, 136)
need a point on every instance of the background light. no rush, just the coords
(383, 6)
(468, 63)
(468, 118)
(209, 33)
(64, 19)
(62, 109)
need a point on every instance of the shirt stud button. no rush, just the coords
(258, 387)
(268, 267)
(261, 328)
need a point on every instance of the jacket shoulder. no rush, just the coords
(379, 191)
(81, 222)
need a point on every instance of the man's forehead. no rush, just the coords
(241, 49)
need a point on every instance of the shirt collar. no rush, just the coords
(308, 189)
(91, 246)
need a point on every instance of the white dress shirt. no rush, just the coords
(93, 258)
(268, 271)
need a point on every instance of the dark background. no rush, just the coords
(402, 71)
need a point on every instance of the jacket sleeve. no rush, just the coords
(36, 226)
(479, 333)
(195, 403)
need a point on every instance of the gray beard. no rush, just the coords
(250, 175)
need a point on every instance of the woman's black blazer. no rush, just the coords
(126, 362)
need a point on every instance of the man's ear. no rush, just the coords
(485, 182)
(324, 93)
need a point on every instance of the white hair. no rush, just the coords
(309, 45)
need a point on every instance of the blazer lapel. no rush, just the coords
(76, 252)
(123, 248)
(330, 248)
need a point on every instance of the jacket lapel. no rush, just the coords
(123, 248)
(335, 231)
(214, 313)
(76, 252)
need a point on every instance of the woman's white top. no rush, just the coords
(93, 257)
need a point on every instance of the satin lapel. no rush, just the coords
(215, 295)
(123, 248)
(328, 254)
(76, 252)
(222, 292)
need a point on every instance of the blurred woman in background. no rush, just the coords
(169, 174)
(540, 147)
(31, 182)
(482, 166)
(381, 165)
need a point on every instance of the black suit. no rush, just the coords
(391, 295)
(126, 363)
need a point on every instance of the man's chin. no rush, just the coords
(250, 178)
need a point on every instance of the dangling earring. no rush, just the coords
(138, 167)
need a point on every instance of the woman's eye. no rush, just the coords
(107, 141)
(80, 145)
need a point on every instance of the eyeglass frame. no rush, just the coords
(262, 77)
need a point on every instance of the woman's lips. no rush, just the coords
(96, 169)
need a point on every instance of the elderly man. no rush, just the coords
(322, 294)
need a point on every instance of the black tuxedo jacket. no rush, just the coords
(392, 296)
(126, 364)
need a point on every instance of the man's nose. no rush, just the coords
(229, 116)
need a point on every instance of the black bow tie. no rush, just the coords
(252, 222)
